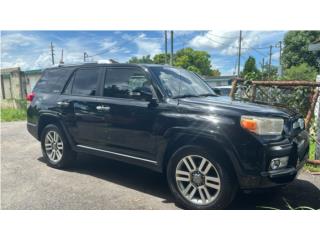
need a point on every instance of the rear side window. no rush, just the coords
(85, 82)
(53, 80)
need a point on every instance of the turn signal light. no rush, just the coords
(249, 124)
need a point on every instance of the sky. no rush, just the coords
(31, 49)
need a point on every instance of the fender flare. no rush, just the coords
(173, 135)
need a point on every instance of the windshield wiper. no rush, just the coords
(185, 96)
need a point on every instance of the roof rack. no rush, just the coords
(103, 61)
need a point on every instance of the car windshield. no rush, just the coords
(181, 83)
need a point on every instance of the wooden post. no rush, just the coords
(254, 92)
(312, 107)
(234, 88)
(2, 88)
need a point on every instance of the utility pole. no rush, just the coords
(85, 55)
(280, 62)
(165, 47)
(61, 60)
(262, 68)
(269, 68)
(239, 53)
(52, 53)
(171, 55)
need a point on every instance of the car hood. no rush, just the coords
(213, 103)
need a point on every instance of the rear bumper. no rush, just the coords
(33, 129)
(297, 150)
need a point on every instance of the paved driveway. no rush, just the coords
(97, 183)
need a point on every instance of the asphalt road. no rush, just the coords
(97, 183)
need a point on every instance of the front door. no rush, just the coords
(128, 115)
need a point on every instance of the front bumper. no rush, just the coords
(297, 150)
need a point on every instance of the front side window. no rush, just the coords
(180, 82)
(126, 83)
(85, 82)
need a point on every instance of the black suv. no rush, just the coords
(169, 120)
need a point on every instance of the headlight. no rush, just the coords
(262, 125)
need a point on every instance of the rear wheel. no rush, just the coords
(199, 180)
(55, 148)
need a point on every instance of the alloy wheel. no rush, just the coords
(197, 179)
(53, 146)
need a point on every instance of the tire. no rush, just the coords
(59, 144)
(197, 189)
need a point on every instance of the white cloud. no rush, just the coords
(227, 42)
(12, 40)
(147, 46)
(107, 43)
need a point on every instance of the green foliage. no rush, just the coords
(11, 114)
(160, 58)
(215, 73)
(187, 58)
(250, 66)
(295, 51)
(193, 60)
(143, 59)
(300, 72)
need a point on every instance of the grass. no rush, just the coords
(308, 166)
(10, 114)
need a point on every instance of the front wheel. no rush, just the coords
(199, 180)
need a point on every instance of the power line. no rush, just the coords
(114, 47)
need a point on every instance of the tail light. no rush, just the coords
(30, 96)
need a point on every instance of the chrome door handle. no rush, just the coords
(63, 104)
(103, 108)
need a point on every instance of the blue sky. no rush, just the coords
(30, 49)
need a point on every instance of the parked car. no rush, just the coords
(222, 90)
(168, 120)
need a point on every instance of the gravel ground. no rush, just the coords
(97, 183)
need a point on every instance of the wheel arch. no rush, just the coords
(46, 119)
(214, 142)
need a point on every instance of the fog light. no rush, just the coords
(280, 162)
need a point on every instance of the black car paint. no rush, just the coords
(143, 132)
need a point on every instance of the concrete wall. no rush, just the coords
(16, 84)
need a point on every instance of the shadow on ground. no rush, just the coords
(298, 193)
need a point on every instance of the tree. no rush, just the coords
(193, 60)
(301, 72)
(215, 73)
(143, 59)
(187, 58)
(160, 58)
(295, 51)
(250, 66)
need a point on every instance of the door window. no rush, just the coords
(85, 82)
(127, 83)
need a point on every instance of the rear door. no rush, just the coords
(79, 105)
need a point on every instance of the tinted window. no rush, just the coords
(179, 82)
(126, 83)
(85, 82)
(53, 80)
